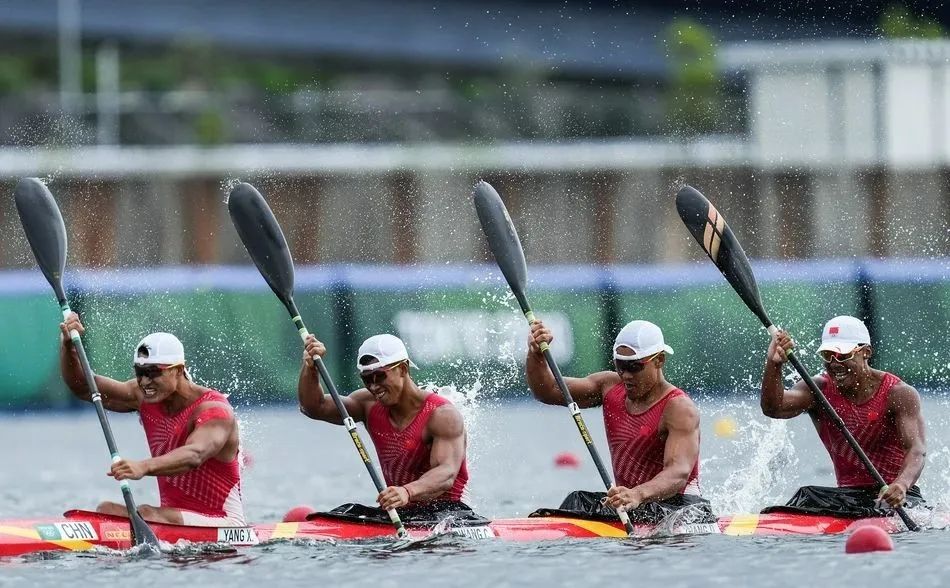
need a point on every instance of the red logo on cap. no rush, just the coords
(832, 330)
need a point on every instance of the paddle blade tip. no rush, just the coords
(689, 200)
(45, 230)
(241, 195)
(30, 191)
(30, 182)
(259, 231)
(484, 192)
(503, 240)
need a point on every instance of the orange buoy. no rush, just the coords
(298, 514)
(566, 459)
(869, 538)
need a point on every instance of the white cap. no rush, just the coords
(386, 349)
(843, 333)
(159, 349)
(643, 337)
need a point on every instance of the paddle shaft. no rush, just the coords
(141, 531)
(348, 421)
(839, 423)
(576, 415)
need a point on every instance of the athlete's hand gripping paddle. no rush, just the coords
(265, 243)
(46, 232)
(506, 247)
(720, 244)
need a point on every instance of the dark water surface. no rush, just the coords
(52, 462)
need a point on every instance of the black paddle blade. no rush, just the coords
(502, 239)
(720, 244)
(263, 239)
(45, 230)
(142, 533)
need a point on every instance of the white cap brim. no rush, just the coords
(379, 364)
(641, 354)
(840, 346)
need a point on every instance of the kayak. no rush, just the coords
(79, 530)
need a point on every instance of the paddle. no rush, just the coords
(265, 243)
(506, 247)
(720, 244)
(46, 233)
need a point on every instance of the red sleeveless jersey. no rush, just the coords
(404, 455)
(636, 445)
(205, 489)
(873, 427)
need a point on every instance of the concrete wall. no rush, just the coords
(603, 216)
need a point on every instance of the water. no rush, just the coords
(57, 461)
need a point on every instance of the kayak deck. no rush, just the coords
(79, 530)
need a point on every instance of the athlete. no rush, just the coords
(881, 412)
(191, 432)
(419, 435)
(652, 426)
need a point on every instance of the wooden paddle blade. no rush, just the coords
(43, 224)
(502, 240)
(265, 243)
(719, 242)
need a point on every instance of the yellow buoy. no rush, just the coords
(725, 427)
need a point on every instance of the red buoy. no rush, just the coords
(298, 514)
(869, 538)
(566, 459)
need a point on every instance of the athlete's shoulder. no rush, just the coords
(677, 394)
(444, 406)
(446, 419)
(680, 402)
(212, 410)
(681, 413)
(606, 379)
(444, 411)
(903, 393)
(606, 382)
(212, 395)
(897, 381)
(206, 403)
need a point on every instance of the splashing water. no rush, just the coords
(228, 184)
(760, 460)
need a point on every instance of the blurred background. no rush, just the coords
(821, 130)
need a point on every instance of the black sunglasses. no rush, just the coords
(151, 371)
(632, 366)
(379, 375)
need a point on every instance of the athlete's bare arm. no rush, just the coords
(586, 392)
(681, 422)
(445, 457)
(116, 396)
(208, 440)
(904, 403)
(313, 402)
(777, 402)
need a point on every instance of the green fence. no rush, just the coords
(462, 326)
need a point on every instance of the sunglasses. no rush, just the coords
(632, 366)
(151, 371)
(833, 356)
(379, 375)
